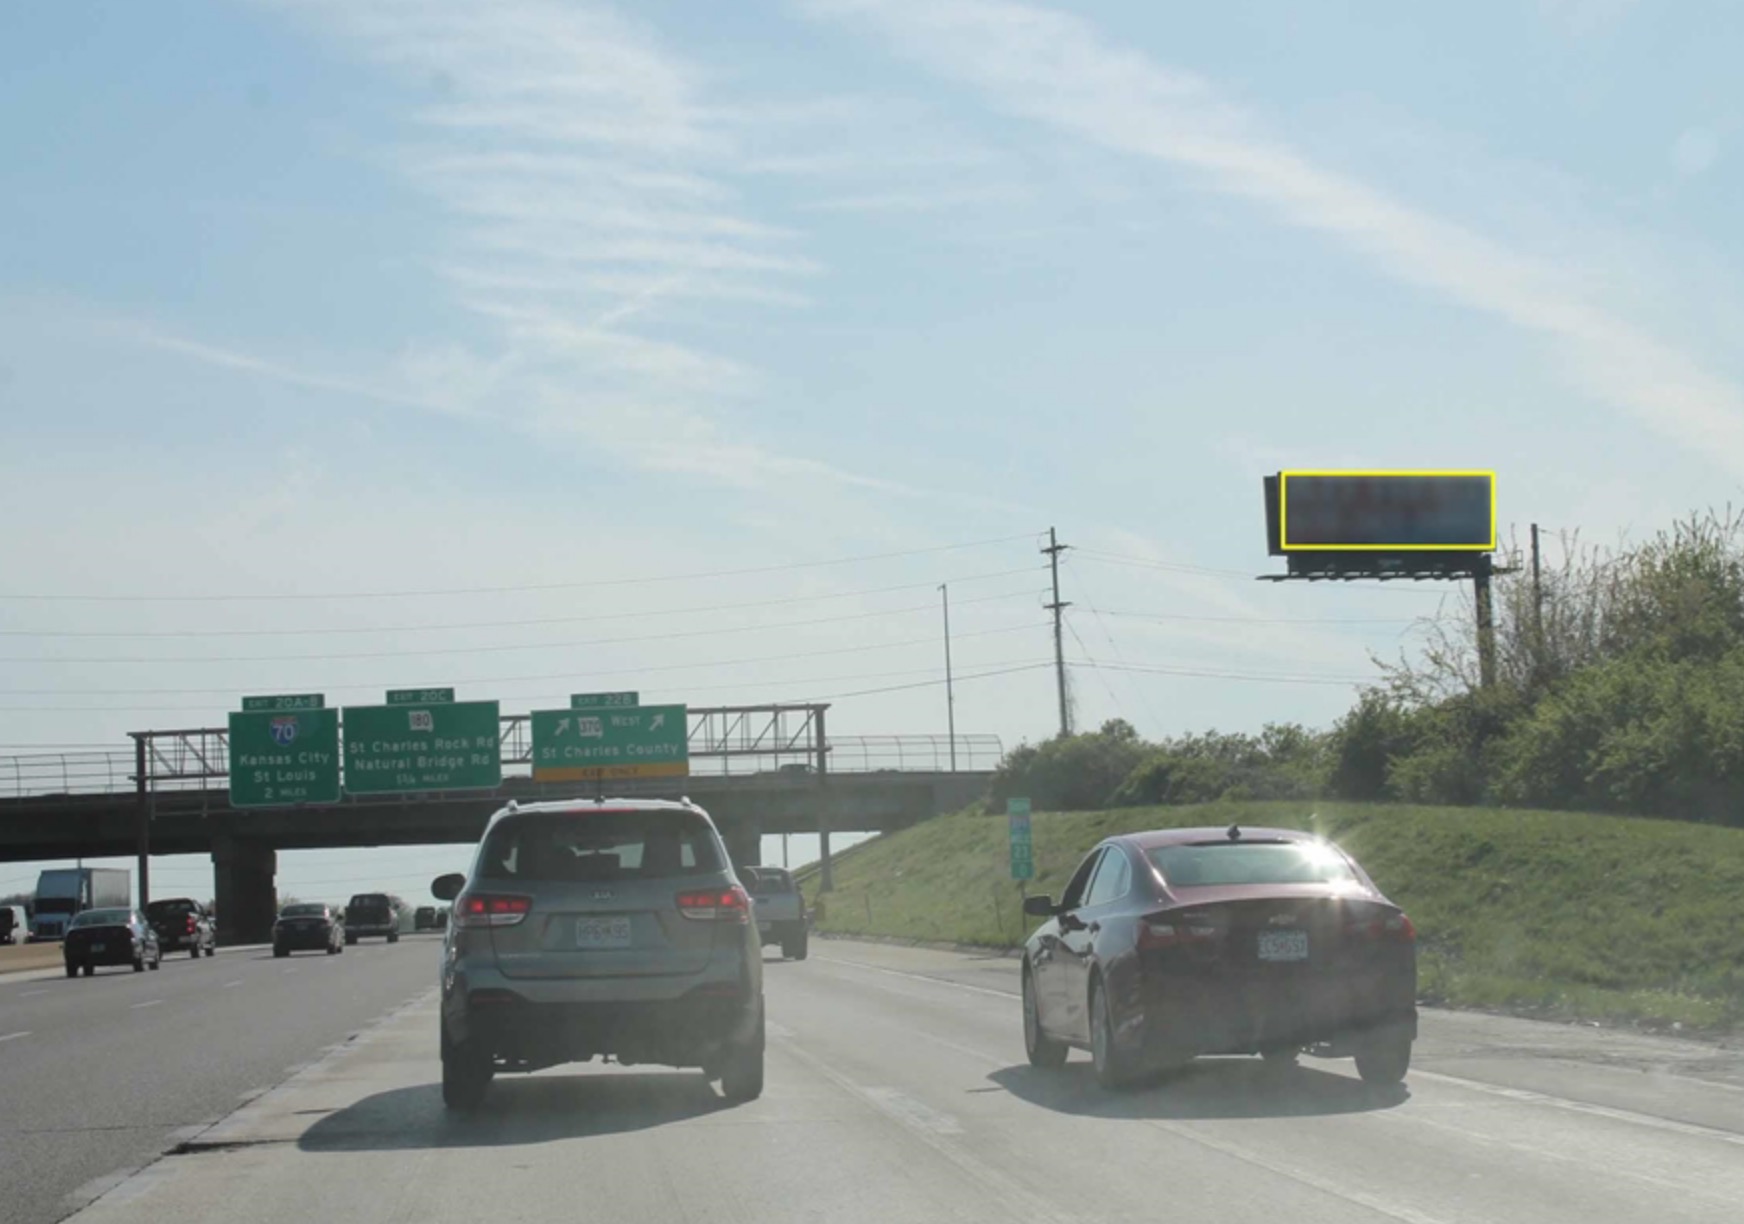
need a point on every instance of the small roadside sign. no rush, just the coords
(1022, 845)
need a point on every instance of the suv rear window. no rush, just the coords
(595, 845)
(369, 901)
(1250, 863)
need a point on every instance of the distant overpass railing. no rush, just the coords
(198, 759)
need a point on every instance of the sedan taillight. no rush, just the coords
(1385, 927)
(716, 905)
(490, 910)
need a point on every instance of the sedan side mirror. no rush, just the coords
(1039, 907)
(447, 887)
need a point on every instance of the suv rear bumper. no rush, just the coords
(689, 1031)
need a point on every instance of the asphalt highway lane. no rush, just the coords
(898, 1091)
(101, 1075)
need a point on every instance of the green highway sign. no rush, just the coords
(1022, 847)
(591, 701)
(449, 745)
(280, 758)
(427, 696)
(633, 742)
(297, 701)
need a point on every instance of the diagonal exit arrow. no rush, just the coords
(657, 722)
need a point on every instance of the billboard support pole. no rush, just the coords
(1486, 623)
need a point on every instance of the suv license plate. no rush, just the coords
(1283, 945)
(98, 947)
(602, 932)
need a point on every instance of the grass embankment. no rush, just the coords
(1548, 913)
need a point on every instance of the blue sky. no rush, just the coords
(335, 298)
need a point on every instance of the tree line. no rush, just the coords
(1619, 687)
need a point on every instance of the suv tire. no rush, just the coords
(742, 1069)
(466, 1074)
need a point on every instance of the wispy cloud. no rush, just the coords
(592, 228)
(1057, 70)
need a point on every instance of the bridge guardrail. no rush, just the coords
(199, 760)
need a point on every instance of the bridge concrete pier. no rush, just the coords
(744, 838)
(245, 894)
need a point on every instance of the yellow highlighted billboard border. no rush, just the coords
(1284, 516)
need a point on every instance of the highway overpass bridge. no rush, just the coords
(757, 770)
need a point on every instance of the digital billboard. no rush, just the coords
(1381, 511)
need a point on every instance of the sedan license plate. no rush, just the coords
(1283, 945)
(602, 933)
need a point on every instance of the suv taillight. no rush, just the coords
(716, 905)
(490, 910)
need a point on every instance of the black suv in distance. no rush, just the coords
(372, 914)
(182, 923)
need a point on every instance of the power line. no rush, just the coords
(1272, 620)
(544, 679)
(500, 624)
(1120, 655)
(501, 648)
(1242, 575)
(1262, 677)
(1106, 687)
(506, 590)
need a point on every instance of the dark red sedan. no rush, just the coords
(1180, 942)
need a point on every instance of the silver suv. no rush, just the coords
(610, 928)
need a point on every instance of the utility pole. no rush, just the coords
(1537, 607)
(1054, 549)
(142, 818)
(950, 693)
(1486, 623)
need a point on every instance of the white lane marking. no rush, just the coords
(15, 1036)
(147, 1003)
(1525, 1096)
(1558, 1155)
(1021, 1203)
(1297, 1173)
(26, 994)
(914, 1113)
(228, 985)
(920, 977)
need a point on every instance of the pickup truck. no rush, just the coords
(182, 924)
(779, 909)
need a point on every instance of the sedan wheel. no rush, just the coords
(1112, 1069)
(1043, 1050)
(1384, 1061)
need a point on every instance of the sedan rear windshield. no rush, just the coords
(588, 846)
(1226, 863)
(302, 911)
(103, 917)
